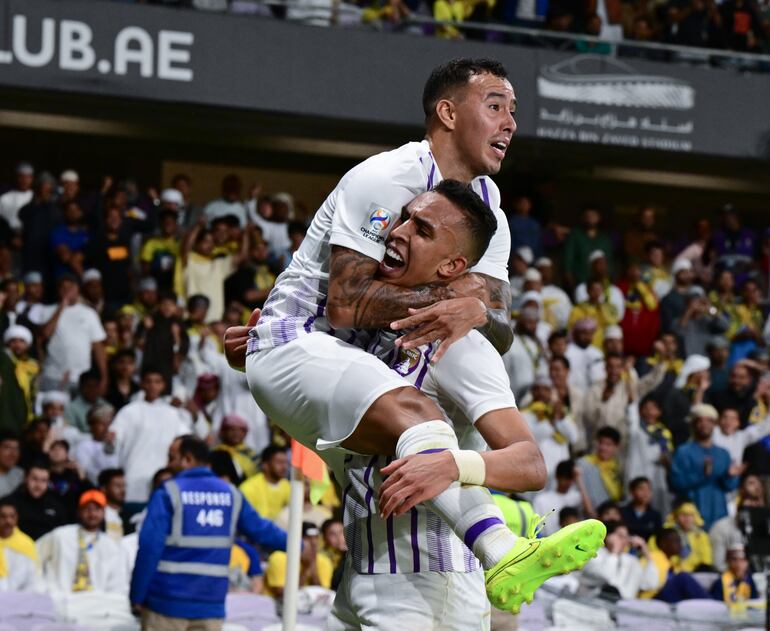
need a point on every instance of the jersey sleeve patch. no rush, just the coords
(378, 223)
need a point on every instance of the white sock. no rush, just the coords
(469, 511)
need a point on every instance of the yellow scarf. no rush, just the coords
(26, 370)
(609, 470)
(82, 580)
(758, 412)
(543, 412)
(18, 542)
(672, 365)
(734, 589)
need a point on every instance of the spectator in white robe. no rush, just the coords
(80, 557)
(617, 568)
(93, 454)
(142, 433)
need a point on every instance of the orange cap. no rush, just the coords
(92, 496)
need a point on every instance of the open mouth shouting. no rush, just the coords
(394, 260)
(499, 147)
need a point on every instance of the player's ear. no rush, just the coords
(452, 268)
(446, 113)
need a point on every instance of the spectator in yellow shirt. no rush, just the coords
(675, 585)
(695, 553)
(160, 253)
(605, 314)
(268, 491)
(315, 568)
(232, 433)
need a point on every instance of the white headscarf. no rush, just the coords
(693, 364)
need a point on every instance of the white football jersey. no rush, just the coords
(358, 214)
(469, 381)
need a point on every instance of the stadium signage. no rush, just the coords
(135, 51)
(69, 44)
(595, 99)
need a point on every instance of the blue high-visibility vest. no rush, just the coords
(195, 560)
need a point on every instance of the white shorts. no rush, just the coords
(317, 387)
(423, 601)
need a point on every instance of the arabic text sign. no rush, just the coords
(593, 99)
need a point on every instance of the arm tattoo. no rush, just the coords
(373, 304)
(498, 328)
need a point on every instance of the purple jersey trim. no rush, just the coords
(415, 546)
(389, 534)
(484, 191)
(475, 531)
(425, 366)
(367, 501)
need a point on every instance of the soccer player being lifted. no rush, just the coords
(306, 364)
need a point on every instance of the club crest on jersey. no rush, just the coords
(406, 361)
(378, 224)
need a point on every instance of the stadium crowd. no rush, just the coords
(638, 362)
(737, 25)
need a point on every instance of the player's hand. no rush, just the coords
(236, 338)
(448, 321)
(414, 479)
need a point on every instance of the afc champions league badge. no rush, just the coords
(379, 221)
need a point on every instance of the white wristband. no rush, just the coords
(470, 465)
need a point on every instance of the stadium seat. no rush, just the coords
(633, 613)
(699, 612)
(25, 610)
(252, 611)
(574, 615)
(533, 617)
(99, 610)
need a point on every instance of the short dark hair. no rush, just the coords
(62, 443)
(455, 74)
(297, 227)
(41, 462)
(195, 448)
(270, 451)
(5, 435)
(567, 512)
(108, 475)
(609, 432)
(197, 300)
(653, 245)
(479, 219)
(151, 369)
(328, 524)
(158, 475)
(565, 469)
(123, 352)
(613, 524)
(613, 355)
(605, 506)
(559, 359)
(559, 333)
(665, 533)
(89, 375)
(637, 482)
(222, 466)
(650, 398)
